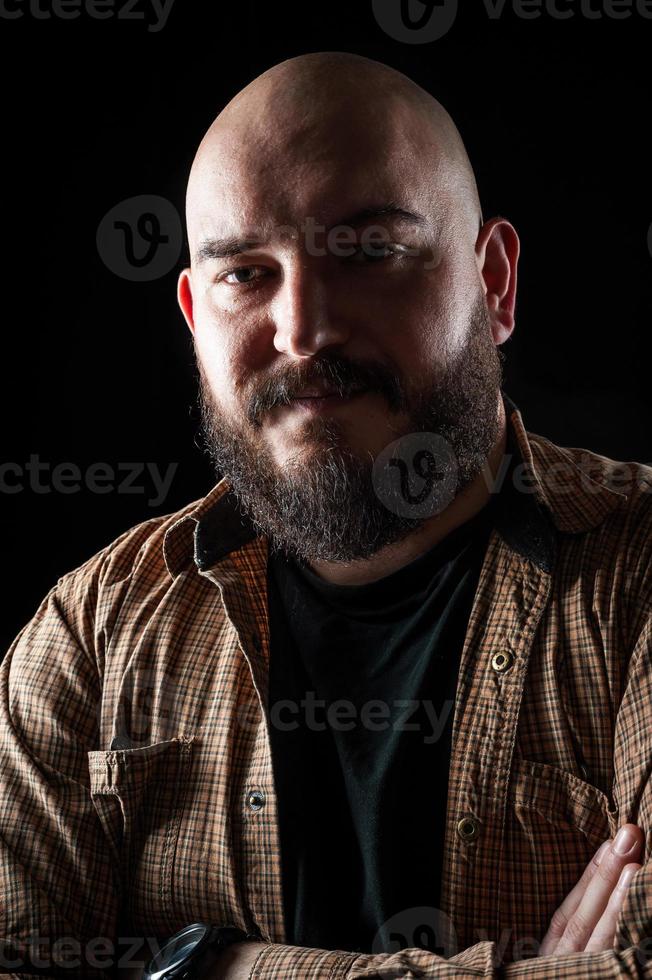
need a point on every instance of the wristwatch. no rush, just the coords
(180, 957)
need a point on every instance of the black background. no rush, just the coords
(555, 115)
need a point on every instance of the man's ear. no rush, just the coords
(497, 250)
(184, 298)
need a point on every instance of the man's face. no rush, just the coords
(359, 274)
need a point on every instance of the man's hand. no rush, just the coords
(584, 922)
(233, 963)
(586, 919)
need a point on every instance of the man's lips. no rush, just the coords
(323, 402)
(316, 391)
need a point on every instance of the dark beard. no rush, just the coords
(324, 504)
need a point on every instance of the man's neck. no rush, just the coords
(389, 559)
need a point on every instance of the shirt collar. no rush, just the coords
(544, 490)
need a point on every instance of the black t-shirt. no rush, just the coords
(362, 785)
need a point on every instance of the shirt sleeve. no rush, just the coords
(58, 895)
(299, 963)
(631, 955)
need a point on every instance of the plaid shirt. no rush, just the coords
(136, 781)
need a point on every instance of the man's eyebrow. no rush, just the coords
(226, 248)
(384, 211)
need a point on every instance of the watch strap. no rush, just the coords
(215, 939)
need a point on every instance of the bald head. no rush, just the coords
(396, 315)
(308, 125)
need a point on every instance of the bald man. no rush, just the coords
(312, 156)
(396, 662)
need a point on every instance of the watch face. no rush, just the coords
(175, 954)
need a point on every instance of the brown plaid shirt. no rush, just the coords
(136, 781)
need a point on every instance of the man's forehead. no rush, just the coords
(273, 159)
(267, 152)
(257, 201)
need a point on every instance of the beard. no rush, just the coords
(328, 503)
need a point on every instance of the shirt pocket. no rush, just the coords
(139, 795)
(561, 799)
(555, 822)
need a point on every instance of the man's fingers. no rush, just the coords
(593, 903)
(570, 904)
(604, 933)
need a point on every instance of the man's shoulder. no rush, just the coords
(606, 504)
(139, 547)
(581, 474)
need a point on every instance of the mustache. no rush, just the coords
(341, 375)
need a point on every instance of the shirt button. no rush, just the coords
(586, 772)
(255, 799)
(468, 828)
(502, 661)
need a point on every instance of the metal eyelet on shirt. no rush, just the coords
(468, 828)
(502, 661)
(255, 799)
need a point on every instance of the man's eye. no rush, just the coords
(372, 252)
(242, 276)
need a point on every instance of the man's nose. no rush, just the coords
(304, 312)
